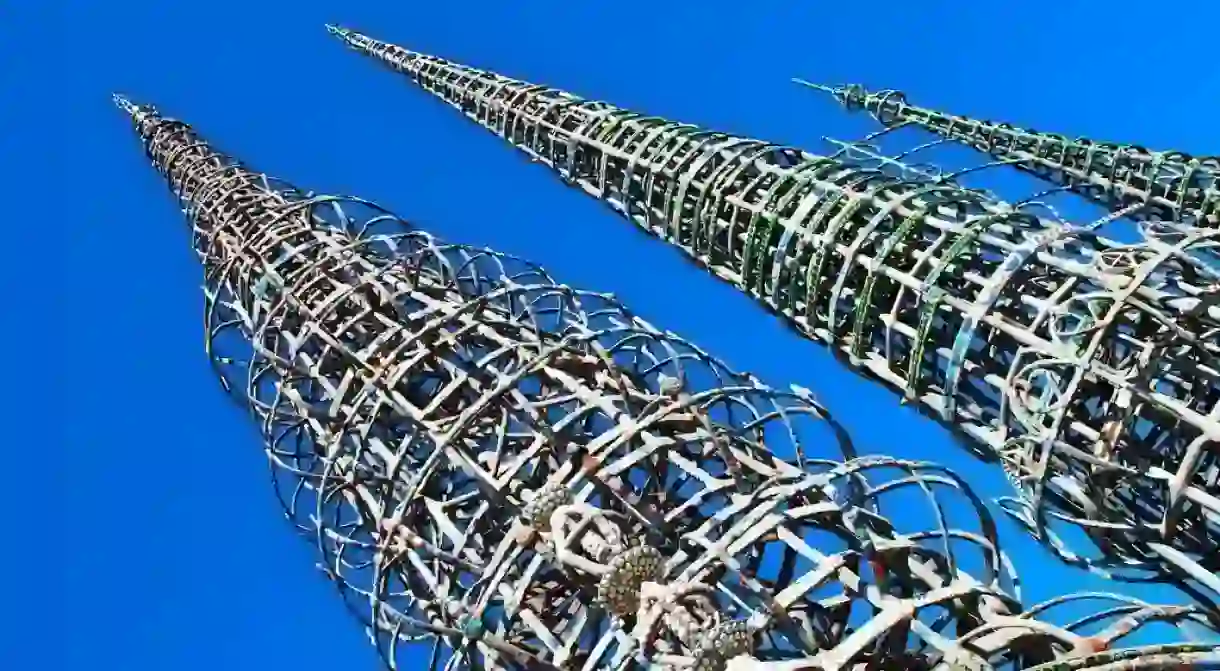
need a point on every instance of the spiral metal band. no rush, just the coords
(425, 406)
(1145, 184)
(1089, 367)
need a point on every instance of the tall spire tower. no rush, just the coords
(528, 477)
(1156, 185)
(1089, 368)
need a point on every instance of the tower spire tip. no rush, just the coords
(136, 111)
(124, 103)
(832, 90)
(338, 31)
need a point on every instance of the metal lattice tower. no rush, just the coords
(1144, 184)
(1090, 368)
(531, 478)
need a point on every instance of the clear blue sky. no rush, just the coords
(165, 547)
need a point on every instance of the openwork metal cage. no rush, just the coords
(529, 477)
(1087, 366)
(1144, 184)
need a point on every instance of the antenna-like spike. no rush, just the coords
(339, 31)
(139, 113)
(124, 104)
(846, 94)
(357, 40)
(1088, 368)
(832, 90)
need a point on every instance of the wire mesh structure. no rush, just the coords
(1088, 367)
(531, 478)
(1144, 184)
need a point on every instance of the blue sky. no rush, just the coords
(166, 548)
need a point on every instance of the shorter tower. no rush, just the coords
(1145, 185)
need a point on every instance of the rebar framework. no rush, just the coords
(1088, 367)
(1143, 184)
(532, 478)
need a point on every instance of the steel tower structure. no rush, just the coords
(1144, 184)
(532, 478)
(1089, 368)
